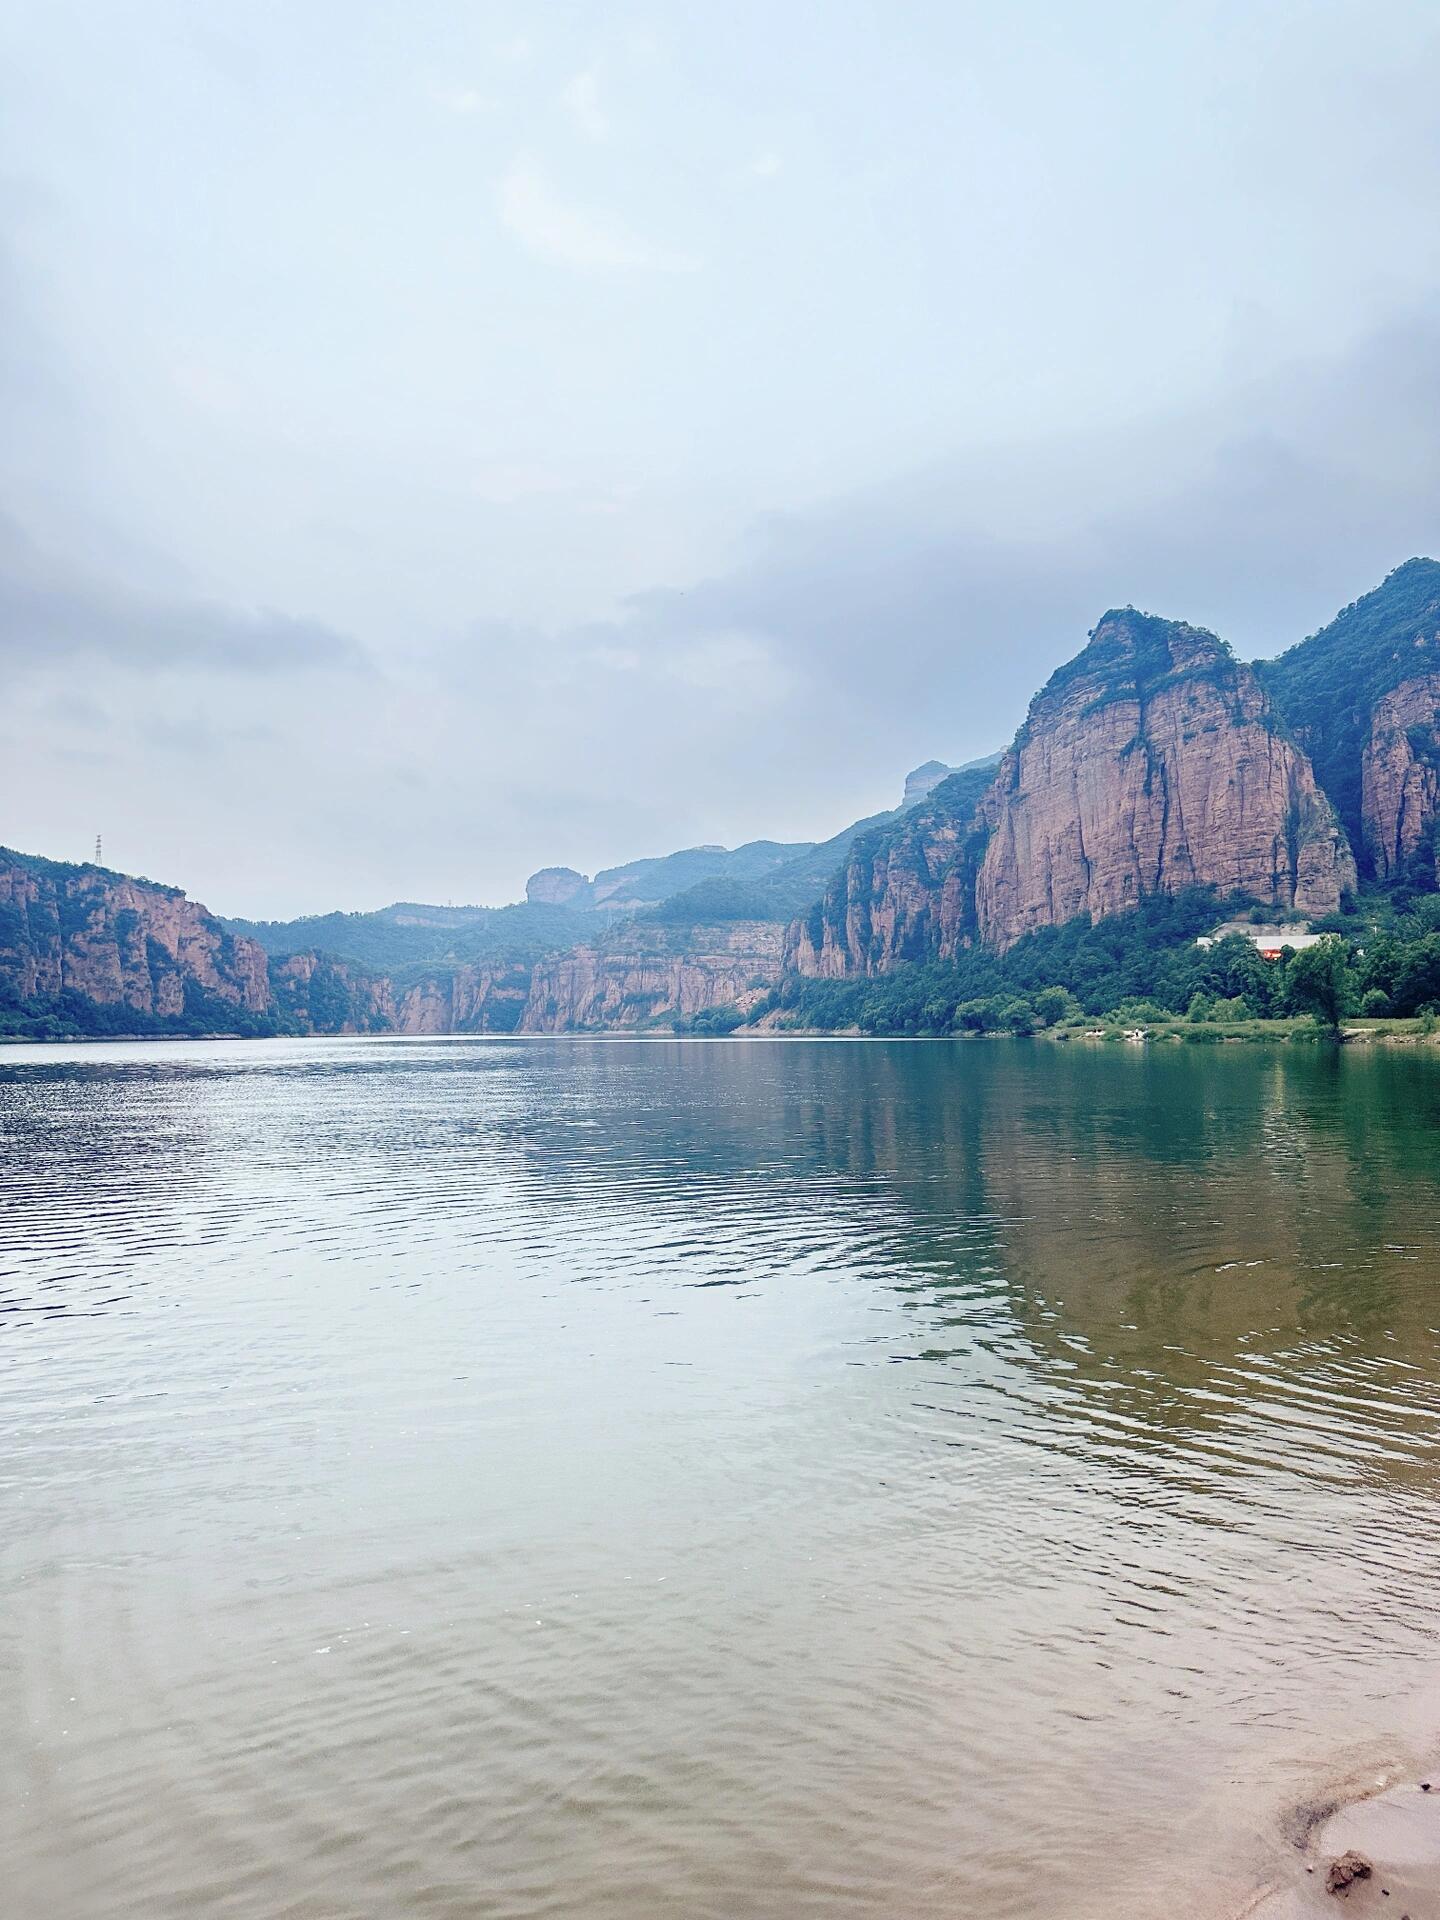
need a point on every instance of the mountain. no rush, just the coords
(1363, 698)
(652, 968)
(777, 875)
(646, 883)
(408, 935)
(83, 946)
(716, 944)
(1152, 762)
(1154, 773)
(84, 950)
(885, 904)
(675, 934)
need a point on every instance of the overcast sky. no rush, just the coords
(445, 438)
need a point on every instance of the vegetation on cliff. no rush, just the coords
(1327, 687)
(415, 936)
(1137, 964)
(1156, 783)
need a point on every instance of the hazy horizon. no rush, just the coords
(447, 443)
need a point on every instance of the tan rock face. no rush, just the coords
(317, 994)
(1400, 775)
(1150, 764)
(555, 886)
(650, 973)
(902, 887)
(119, 942)
(472, 999)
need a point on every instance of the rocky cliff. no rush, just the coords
(903, 884)
(466, 999)
(316, 993)
(120, 943)
(555, 886)
(1152, 762)
(84, 949)
(1360, 696)
(1400, 781)
(649, 973)
(1149, 763)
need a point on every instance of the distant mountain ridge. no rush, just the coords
(763, 879)
(409, 934)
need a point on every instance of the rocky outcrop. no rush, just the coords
(650, 973)
(923, 780)
(555, 886)
(906, 890)
(466, 1000)
(1344, 692)
(1150, 763)
(1400, 779)
(119, 942)
(100, 952)
(316, 993)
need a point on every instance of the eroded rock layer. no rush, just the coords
(647, 973)
(119, 942)
(1400, 777)
(1150, 763)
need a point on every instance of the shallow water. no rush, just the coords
(548, 1478)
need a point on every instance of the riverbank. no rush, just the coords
(1379, 1852)
(1298, 1030)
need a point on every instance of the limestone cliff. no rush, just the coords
(648, 973)
(465, 999)
(86, 950)
(316, 993)
(903, 883)
(116, 942)
(555, 886)
(1400, 779)
(1360, 697)
(1149, 763)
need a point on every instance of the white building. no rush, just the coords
(1269, 942)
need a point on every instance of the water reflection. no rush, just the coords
(536, 1478)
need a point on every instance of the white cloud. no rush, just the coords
(573, 236)
(766, 165)
(582, 102)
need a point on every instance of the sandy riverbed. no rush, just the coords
(1396, 1827)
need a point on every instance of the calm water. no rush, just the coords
(530, 1479)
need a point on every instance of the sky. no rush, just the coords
(445, 439)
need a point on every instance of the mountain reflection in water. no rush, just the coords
(555, 1478)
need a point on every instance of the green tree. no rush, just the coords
(1018, 1016)
(1054, 1004)
(1318, 981)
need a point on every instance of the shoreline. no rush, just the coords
(1179, 1033)
(1391, 1823)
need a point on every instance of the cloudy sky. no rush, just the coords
(442, 439)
